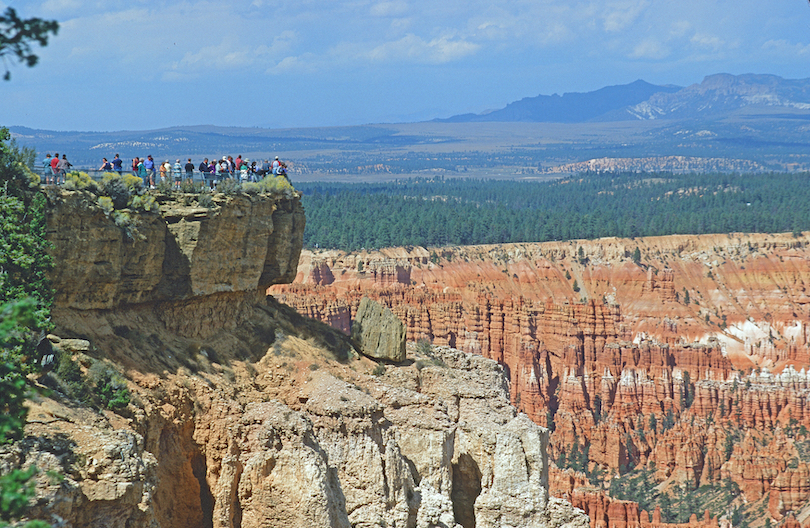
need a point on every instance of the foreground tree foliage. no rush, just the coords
(25, 300)
(464, 212)
(17, 34)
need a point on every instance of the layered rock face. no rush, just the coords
(244, 414)
(691, 362)
(241, 244)
(269, 442)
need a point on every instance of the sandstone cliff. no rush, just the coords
(244, 413)
(691, 363)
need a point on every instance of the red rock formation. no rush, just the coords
(693, 360)
(791, 522)
(605, 512)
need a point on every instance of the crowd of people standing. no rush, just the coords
(55, 168)
(210, 171)
(152, 172)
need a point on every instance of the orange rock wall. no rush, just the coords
(692, 359)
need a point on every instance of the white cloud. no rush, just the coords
(783, 47)
(389, 9)
(51, 7)
(710, 42)
(306, 63)
(230, 53)
(650, 49)
(414, 49)
(679, 28)
(623, 14)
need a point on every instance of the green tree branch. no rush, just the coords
(17, 34)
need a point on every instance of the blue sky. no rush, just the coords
(137, 65)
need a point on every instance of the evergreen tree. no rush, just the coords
(25, 300)
(17, 34)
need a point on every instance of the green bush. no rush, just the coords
(128, 224)
(134, 184)
(114, 187)
(423, 346)
(106, 204)
(80, 181)
(25, 302)
(16, 489)
(206, 200)
(228, 186)
(189, 186)
(164, 186)
(108, 385)
(269, 185)
(70, 378)
(145, 202)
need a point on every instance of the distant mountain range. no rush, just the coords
(717, 95)
(756, 120)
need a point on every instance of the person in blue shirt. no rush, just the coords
(141, 168)
(149, 165)
(117, 164)
(46, 168)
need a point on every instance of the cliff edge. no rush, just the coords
(244, 413)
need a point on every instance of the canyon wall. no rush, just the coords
(687, 357)
(242, 412)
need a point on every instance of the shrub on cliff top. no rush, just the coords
(270, 184)
(205, 200)
(189, 186)
(80, 181)
(106, 204)
(145, 202)
(129, 224)
(228, 186)
(132, 182)
(116, 189)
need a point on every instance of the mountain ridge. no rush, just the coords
(755, 117)
(717, 94)
(571, 107)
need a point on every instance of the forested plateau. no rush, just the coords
(441, 212)
(671, 370)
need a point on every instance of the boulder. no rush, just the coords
(378, 333)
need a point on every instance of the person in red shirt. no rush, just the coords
(55, 167)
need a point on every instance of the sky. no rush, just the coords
(141, 65)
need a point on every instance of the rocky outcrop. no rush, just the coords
(245, 414)
(109, 479)
(242, 243)
(377, 332)
(431, 443)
